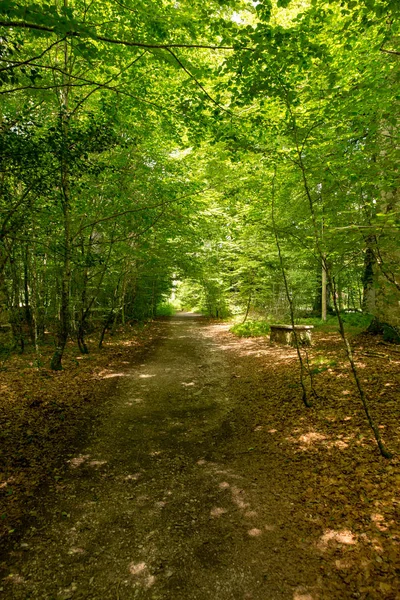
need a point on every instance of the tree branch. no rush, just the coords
(108, 40)
(197, 82)
(16, 65)
(389, 51)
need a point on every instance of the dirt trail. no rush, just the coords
(164, 502)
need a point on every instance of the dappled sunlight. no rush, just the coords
(341, 444)
(143, 578)
(379, 522)
(273, 509)
(344, 563)
(76, 550)
(111, 375)
(96, 463)
(83, 459)
(254, 532)
(14, 578)
(343, 536)
(132, 477)
(311, 437)
(227, 472)
(217, 511)
(108, 374)
(78, 460)
(238, 497)
(136, 569)
(259, 347)
(6, 482)
(315, 440)
(302, 593)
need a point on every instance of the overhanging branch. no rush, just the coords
(109, 40)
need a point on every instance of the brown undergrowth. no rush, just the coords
(349, 495)
(45, 414)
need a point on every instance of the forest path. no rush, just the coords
(165, 502)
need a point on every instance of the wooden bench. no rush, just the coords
(283, 334)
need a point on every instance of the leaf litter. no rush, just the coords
(319, 466)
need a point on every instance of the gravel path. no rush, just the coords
(164, 502)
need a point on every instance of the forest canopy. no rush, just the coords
(220, 143)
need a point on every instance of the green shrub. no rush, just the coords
(391, 334)
(166, 309)
(357, 319)
(250, 329)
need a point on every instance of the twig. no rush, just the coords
(375, 354)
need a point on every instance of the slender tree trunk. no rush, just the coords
(382, 448)
(83, 312)
(35, 305)
(123, 294)
(303, 370)
(323, 293)
(368, 280)
(27, 299)
(107, 323)
(247, 308)
(340, 293)
(64, 323)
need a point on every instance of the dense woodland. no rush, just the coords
(247, 150)
(237, 158)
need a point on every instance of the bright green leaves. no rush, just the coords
(264, 10)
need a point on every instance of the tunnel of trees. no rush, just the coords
(248, 149)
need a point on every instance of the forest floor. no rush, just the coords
(182, 465)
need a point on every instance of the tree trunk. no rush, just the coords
(368, 280)
(64, 323)
(28, 309)
(317, 303)
(247, 309)
(323, 293)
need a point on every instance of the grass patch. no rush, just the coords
(251, 329)
(319, 364)
(354, 323)
(351, 321)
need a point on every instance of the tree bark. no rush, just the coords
(368, 280)
(323, 293)
(64, 323)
